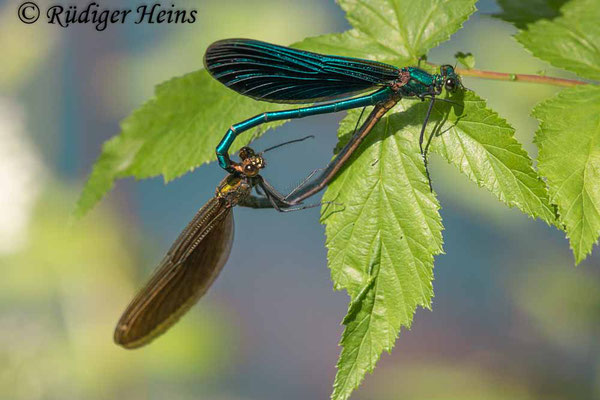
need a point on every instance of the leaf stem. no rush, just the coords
(502, 76)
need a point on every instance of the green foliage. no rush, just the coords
(172, 133)
(466, 59)
(569, 41)
(521, 12)
(569, 136)
(569, 142)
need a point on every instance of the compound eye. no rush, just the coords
(450, 84)
(250, 169)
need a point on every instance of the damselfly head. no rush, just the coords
(450, 78)
(251, 163)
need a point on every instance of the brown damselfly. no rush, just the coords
(195, 259)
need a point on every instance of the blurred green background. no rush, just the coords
(513, 319)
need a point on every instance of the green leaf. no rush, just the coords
(394, 31)
(381, 244)
(482, 146)
(172, 133)
(569, 41)
(466, 59)
(521, 12)
(569, 158)
(116, 156)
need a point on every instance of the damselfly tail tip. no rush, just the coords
(120, 336)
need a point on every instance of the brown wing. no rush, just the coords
(184, 275)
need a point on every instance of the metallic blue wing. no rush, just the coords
(281, 74)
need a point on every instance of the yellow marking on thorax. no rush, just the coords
(229, 184)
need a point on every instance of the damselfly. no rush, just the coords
(281, 74)
(199, 253)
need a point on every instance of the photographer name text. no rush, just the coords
(101, 18)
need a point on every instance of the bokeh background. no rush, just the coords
(512, 317)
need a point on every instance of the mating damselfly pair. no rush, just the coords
(272, 73)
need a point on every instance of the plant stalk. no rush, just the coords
(502, 76)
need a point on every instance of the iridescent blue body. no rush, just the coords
(280, 74)
(236, 129)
